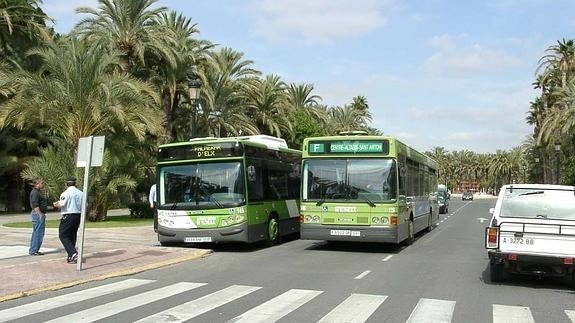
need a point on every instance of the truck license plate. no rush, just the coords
(525, 241)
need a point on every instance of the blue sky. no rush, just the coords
(436, 73)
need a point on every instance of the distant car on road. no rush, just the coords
(532, 231)
(443, 198)
(467, 196)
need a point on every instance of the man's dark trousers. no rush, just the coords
(68, 232)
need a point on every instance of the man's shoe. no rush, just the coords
(37, 253)
(73, 259)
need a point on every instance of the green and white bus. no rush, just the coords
(228, 189)
(366, 188)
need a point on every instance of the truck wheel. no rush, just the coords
(497, 272)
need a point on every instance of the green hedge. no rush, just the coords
(141, 210)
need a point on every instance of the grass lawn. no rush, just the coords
(111, 222)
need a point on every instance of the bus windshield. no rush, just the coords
(201, 185)
(356, 180)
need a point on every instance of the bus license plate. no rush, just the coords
(198, 239)
(349, 233)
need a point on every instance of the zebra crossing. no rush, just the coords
(354, 309)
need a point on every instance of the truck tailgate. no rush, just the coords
(537, 239)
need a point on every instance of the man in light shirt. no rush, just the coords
(152, 200)
(70, 205)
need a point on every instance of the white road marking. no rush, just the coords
(387, 258)
(67, 299)
(363, 274)
(356, 308)
(506, 314)
(430, 310)
(571, 315)
(277, 307)
(106, 310)
(201, 305)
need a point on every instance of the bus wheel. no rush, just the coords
(273, 231)
(410, 234)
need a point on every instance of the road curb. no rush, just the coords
(124, 272)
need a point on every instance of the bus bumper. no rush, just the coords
(350, 233)
(236, 233)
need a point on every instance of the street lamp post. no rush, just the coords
(536, 169)
(558, 161)
(194, 85)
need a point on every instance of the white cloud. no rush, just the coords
(452, 60)
(64, 8)
(319, 20)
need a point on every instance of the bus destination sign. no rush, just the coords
(349, 147)
(201, 151)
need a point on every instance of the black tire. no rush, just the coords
(498, 273)
(272, 231)
(410, 234)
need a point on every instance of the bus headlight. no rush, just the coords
(375, 220)
(308, 218)
(384, 220)
(316, 219)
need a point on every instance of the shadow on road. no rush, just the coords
(366, 247)
(528, 281)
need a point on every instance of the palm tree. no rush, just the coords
(347, 119)
(132, 27)
(267, 106)
(225, 75)
(172, 79)
(561, 57)
(439, 154)
(300, 96)
(360, 103)
(22, 26)
(78, 93)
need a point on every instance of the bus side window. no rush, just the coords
(255, 181)
(402, 170)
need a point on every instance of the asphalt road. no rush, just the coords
(442, 277)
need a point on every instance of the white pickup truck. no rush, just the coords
(532, 231)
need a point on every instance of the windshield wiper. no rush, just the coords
(320, 202)
(216, 201)
(174, 205)
(532, 193)
(370, 203)
(210, 196)
(544, 216)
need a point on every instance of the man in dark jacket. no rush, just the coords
(39, 207)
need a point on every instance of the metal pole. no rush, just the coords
(558, 164)
(84, 202)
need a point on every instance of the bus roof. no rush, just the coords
(266, 141)
(395, 147)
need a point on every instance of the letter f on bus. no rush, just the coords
(317, 148)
